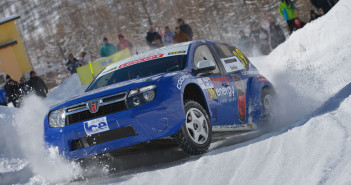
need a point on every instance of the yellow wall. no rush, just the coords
(8, 32)
(9, 63)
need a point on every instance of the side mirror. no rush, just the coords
(204, 66)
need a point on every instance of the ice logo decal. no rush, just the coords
(96, 126)
(93, 106)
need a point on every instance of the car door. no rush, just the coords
(220, 89)
(235, 63)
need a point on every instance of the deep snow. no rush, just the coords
(309, 144)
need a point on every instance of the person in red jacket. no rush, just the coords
(124, 43)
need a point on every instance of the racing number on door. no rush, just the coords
(241, 57)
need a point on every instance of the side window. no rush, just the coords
(202, 52)
(232, 58)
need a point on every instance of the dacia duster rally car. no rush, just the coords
(186, 91)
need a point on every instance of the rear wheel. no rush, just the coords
(268, 103)
(194, 137)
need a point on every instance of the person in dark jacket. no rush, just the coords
(260, 38)
(326, 5)
(38, 85)
(153, 39)
(180, 36)
(185, 28)
(277, 35)
(313, 15)
(245, 43)
(24, 87)
(72, 64)
(298, 23)
(12, 91)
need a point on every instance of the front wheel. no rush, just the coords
(194, 137)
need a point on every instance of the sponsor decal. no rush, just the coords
(234, 127)
(205, 83)
(241, 57)
(140, 60)
(96, 126)
(176, 52)
(225, 91)
(181, 80)
(227, 100)
(262, 79)
(241, 97)
(219, 80)
(212, 93)
(93, 106)
(249, 72)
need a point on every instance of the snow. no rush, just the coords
(309, 143)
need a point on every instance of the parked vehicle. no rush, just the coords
(186, 91)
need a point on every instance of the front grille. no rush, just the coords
(103, 110)
(102, 137)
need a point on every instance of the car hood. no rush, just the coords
(113, 89)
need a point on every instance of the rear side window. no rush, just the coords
(202, 52)
(232, 58)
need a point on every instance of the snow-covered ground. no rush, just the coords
(310, 143)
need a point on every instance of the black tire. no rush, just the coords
(193, 140)
(268, 98)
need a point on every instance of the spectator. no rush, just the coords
(12, 91)
(38, 85)
(260, 38)
(298, 24)
(180, 36)
(314, 15)
(326, 5)
(153, 39)
(107, 49)
(85, 58)
(277, 35)
(185, 28)
(168, 36)
(24, 87)
(321, 11)
(287, 10)
(244, 43)
(72, 64)
(124, 43)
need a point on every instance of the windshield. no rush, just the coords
(148, 68)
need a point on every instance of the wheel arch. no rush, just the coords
(193, 92)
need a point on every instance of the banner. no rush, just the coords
(88, 72)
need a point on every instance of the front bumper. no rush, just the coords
(148, 122)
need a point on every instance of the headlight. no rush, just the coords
(140, 96)
(57, 118)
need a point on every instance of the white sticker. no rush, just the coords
(205, 83)
(96, 126)
(232, 64)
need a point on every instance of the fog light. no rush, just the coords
(136, 101)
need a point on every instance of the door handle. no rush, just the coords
(225, 84)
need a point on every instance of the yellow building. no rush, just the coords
(13, 57)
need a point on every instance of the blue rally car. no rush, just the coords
(186, 91)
